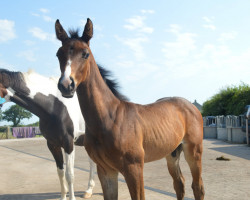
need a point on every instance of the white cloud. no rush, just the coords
(7, 31)
(44, 15)
(135, 44)
(227, 36)
(209, 26)
(183, 45)
(137, 23)
(42, 35)
(29, 42)
(44, 10)
(35, 14)
(48, 19)
(147, 11)
(208, 19)
(28, 55)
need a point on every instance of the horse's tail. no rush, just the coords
(177, 151)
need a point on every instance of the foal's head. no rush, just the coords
(74, 57)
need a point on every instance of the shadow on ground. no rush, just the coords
(239, 150)
(40, 196)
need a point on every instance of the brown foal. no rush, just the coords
(121, 136)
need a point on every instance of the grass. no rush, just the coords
(3, 136)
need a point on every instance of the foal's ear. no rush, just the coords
(88, 31)
(60, 32)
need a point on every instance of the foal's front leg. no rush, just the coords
(70, 160)
(133, 174)
(109, 181)
(58, 156)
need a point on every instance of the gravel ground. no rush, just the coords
(28, 172)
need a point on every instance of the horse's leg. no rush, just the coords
(58, 156)
(70, 159)
(133, 174)
(193, 154)
(91, 185)
(109, 181)
(175, 171)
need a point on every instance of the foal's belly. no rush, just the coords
(159, 146)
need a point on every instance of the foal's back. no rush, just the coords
(165, 124)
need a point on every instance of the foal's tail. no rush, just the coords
(177, 151)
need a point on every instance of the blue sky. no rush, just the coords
(155, 48)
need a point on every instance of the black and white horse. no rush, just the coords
(61, 121)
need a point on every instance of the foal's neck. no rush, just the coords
(98, 103)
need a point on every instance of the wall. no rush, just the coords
(231, 134)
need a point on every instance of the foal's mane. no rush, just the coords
(106, 74)
(111, 83)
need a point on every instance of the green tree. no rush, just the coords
(1, 115)
(15, 114)
(229, 101)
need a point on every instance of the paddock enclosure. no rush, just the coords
(27, 172)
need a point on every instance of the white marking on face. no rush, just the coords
(68, 69)
(66, 81)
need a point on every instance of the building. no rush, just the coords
(199, 106)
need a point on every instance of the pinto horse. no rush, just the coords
(61, 121)
(121, 136)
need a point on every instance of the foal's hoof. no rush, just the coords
(87, 195)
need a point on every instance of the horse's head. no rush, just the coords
(74, 57)
(6, 83)
(3, 91)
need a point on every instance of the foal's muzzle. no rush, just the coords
(67, 88)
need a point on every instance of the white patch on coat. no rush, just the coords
(10, 93)
(70, 159)
(64, 185)
(37, 83)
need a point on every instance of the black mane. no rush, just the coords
(111, 83)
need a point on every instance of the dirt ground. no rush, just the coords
(28, 172)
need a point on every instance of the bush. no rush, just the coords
(229, 101)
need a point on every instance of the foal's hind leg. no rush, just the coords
(109, 181)
(193, 154)
(58, 156)
(175, 171)
(91, 185)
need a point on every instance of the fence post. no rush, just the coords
(8, 132)
(247, 134)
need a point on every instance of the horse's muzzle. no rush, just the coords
(67, 88)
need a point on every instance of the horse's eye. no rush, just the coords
(71, 50)
(85, 54)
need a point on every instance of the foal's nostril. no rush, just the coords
(67, 89)
(72, 84)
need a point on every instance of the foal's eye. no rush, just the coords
(85, 54)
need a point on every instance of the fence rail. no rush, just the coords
(224, 121)
(19, 132)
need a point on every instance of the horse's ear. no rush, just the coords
(60, 32)
(88, 31)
